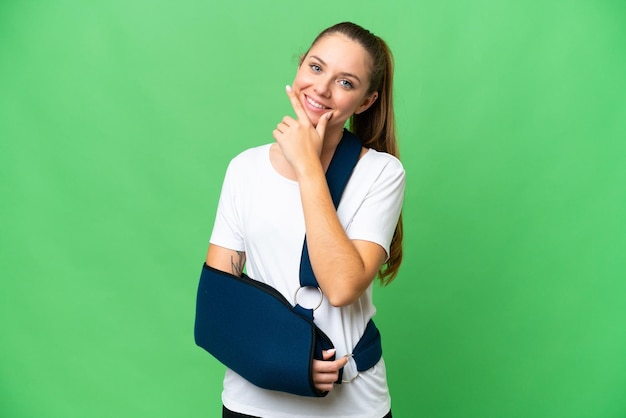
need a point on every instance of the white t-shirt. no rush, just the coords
(260, 212)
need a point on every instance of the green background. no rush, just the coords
(117, 120)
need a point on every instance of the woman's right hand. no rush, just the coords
(326, 372)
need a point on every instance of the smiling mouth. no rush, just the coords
(314, 103)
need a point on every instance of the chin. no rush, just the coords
(314, 118)
(315, 121)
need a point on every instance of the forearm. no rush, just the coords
(339, 267)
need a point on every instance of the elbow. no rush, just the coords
(339, 301)
(346, 287)
(345, 297)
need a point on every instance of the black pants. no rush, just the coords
(227, 413)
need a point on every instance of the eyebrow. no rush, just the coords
(344, 73)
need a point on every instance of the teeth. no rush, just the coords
(314, 103)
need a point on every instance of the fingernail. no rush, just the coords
(288, 88)
(329, 115)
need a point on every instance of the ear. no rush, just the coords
(369, 100)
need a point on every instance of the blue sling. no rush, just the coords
(254, 330)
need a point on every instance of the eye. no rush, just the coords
(316, 68)
(346, 84)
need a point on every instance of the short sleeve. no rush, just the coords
(378, 213)
(227, 229)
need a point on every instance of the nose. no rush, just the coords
(322, 87)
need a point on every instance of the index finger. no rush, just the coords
(325, 366)
(295, 103)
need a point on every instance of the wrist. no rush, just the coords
(309, 170)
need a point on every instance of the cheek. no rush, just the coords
(348, 105)
(300, 78)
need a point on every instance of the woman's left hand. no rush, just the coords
(299, 140)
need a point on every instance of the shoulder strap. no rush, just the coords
(339, 171)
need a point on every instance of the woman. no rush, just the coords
(272, 195)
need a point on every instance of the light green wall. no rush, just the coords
(117, 120)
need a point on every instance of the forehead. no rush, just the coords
(342, 54)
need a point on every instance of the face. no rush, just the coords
(334, 76)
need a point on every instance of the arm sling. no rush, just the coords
(255, 331)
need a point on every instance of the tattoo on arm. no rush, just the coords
(237, 265)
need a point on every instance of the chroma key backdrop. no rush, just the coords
(117, 121)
